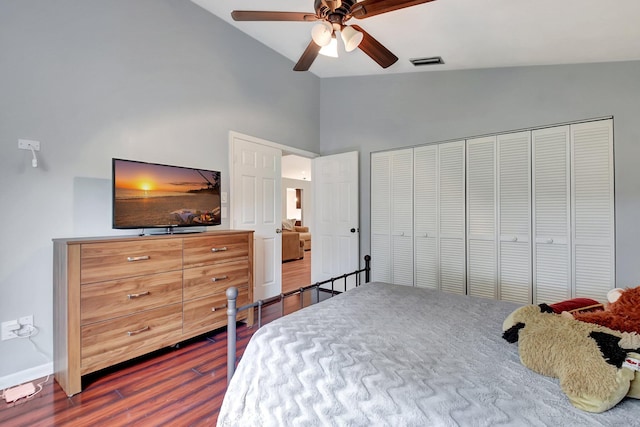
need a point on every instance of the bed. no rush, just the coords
(390, 355)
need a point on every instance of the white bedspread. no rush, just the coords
(386, 355)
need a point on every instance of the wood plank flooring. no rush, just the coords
(181, 386)
(296, 274)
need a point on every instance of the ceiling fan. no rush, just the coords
(333, 15)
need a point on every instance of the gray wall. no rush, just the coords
(382, 112)
(153, 80)
(307, 199)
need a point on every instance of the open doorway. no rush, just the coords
(297, 216)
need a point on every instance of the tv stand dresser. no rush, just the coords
(116, 298)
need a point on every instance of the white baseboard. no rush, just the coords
(26, 375)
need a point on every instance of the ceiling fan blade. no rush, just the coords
(258, 15)
(375, 49)
(308, 56)
(369, 8)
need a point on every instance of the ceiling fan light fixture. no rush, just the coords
(331, 49)
(321, 33)
(351, 38)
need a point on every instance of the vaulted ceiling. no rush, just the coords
(465, 33)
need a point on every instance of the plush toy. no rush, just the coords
(593, 363)
(622, 313)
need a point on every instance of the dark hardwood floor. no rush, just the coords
(181, 386)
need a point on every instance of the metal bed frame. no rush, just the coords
(232, 311)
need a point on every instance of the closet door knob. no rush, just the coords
(549, 240)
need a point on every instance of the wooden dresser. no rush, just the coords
(116, 298)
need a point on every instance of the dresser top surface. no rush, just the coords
(124, 238)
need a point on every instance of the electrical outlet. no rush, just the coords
(26, 320)
(9, 329)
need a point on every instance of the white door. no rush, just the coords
(514, 217)
(381, 217)
(257, 204)
(482, 280)
(427, 263)
(451, 214)
(336, 233)
(592, 209)
(551, 214)
(402, 217)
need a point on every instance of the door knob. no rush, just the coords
(278, 230)
(353, 230)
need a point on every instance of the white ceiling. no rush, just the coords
(466, 33)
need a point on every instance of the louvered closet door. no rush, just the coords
(481, 218)
(425, 161)
(381, 217)
(551, 215)
(592, 213)
(451, 204)
(402, 217)
(514, 217)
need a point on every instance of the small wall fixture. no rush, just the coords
(27, 144)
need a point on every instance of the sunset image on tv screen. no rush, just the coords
(153, 195)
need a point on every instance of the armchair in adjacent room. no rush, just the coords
(292, 246)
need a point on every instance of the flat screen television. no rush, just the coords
(151, 195)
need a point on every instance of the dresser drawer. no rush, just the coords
(115, 260)
(106, 300)
(214, 249)
(113, 341)
(199, 313)
(213, 279)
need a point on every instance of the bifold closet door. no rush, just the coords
(514, 217)
(551, 214)
(592, 215)
(381, 217)
(482, 272)
(451, 217)
(392, 216)
(425, 161)
(402, 217)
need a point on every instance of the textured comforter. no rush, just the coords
(386, 355)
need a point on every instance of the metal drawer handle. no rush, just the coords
(146, 328)
(224, 248)
(219, 308)
(217, 279)
(141, 294)
(138, 258)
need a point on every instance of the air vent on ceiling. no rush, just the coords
(434, 60)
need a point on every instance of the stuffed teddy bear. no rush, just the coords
(593, 363)
(622, 313)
